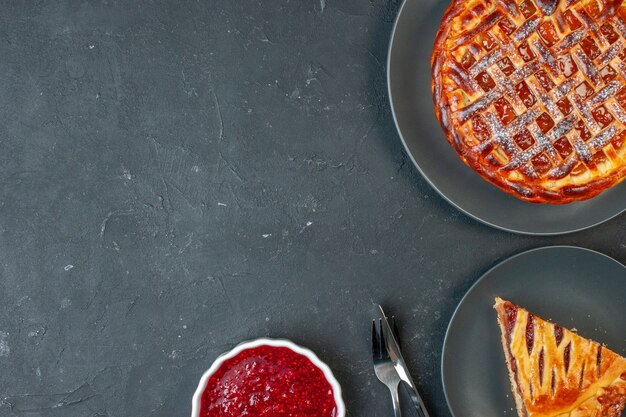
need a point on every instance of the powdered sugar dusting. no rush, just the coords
(622, 69)
(526, 71)
(483, 102)
(617, 111)
(563, 127)
(610, 53)
(543, 97)
(582, 150)
(484, 26)
(486, 62)
(586, 66)
(565, 168)
(500, 134)
(524, 120)
(504, 138)
(621, 27)
(590, 23)
(546, 57)
(584, 110)
(527, 29)
(461, 78)
(603, 138)
(506, 86)
(570, 40)
(605, 93)
(565, 88)
(509, 6)
(542, 142)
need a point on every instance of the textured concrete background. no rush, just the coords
(177, 177)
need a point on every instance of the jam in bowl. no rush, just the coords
(268, 377)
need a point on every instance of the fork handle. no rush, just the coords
(395, 399)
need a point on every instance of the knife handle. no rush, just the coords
(417, 401)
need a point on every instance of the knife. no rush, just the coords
(393, 348)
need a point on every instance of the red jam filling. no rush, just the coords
(582, 130)
(527, 8)
(530, 333)
(566, 356)
(541, 365)
(548, 32)
(545, 122)
(609, 33)
(268, 381)
(525, 51)
(524, 140)
(542, 164)
(565, 106)
(572, 21)
(602, 116)
(505, 111)
(564, 148)
(524, 94)
(481, 131)
(511, 316)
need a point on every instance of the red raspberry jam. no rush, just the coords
(268, 381)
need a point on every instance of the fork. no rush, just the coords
(383, 366)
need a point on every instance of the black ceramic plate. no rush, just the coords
(574, 287)
(411, 101)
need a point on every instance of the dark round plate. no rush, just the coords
(574, 287)
(409, 80)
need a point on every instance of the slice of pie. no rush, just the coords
(555, 372)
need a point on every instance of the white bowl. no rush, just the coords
(341, 408)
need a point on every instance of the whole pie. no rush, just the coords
(530, 93)
(555, 372)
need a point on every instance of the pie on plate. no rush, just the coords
(555, 372)
(532, 94)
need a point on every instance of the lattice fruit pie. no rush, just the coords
(555, 372)
(531, 93)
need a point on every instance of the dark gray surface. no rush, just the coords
(409, 71)
(147, 148)
(570, 286)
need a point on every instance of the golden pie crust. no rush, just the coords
(531, 95)
(555, 372)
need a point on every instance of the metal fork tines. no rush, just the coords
(389, 365)
(383, 366)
